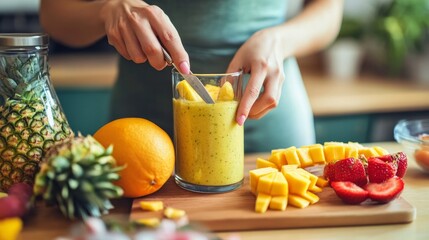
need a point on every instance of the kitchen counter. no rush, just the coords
(328, 97)
(48, 223)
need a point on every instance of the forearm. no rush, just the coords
(313, 29)
(72, 22)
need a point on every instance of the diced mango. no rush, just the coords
(187, 92)
(313, 178)
(226, 92)
(368, 152)
(321, 182)
(315, 189)
(2, 194)
(334, 143)
(151, 205)
(304, 157)
(351, 151)
(289, 167)
(213, 91)
(150, 222)
(311, 197)
(381, 151)
(255, 174)
(262, 163)
(174, 213)
(298, 184)
(10, 228)
(334, 152)
(317, 154)
(262, 202)
(356, 144)
(292, 156)
(278, 203)
(279, 186)
(265, 183)
(278, 158)
(298, 201)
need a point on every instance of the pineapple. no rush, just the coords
(31, 119)
(77, 176)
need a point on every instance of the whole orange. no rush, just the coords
(145, 149)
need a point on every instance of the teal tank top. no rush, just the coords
(211, 32)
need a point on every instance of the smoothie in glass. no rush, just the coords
(209, 143)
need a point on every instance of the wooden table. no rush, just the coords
(48, 223)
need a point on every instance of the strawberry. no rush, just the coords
(380, 171)
(386, 191)
(349, 192)
(350, 169)
(328, 172)
(400, 159)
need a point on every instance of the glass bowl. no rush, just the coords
(413, 135)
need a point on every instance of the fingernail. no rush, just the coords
(184, 67)
(241, 119)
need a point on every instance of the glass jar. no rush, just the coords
(209, 142)
(31, 118)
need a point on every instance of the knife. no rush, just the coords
(191, 79)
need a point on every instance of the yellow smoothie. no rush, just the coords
(209, 143)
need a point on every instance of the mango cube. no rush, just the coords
(381, 151)
(291, 167)
(262, 163)
(213, 91)
(313, 178)
(292, 156)
(278, 158)
(351, 151)
(321, 182)
(174, 213)
(311, 197)
(317, 154)
(151, 205)
(298, 184)
(298, 201)
(187, 92)
(265, 183)
(262, 202)
(334, 152)
(368, 152)
(255, 174)
(278, 203)
(304, 157)
(280, 186)
(150, 222)
(226, 92)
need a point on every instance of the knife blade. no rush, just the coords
(193, 80)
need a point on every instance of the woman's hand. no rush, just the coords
(261, 56)
(137, 31)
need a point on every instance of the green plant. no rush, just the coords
(403, 26)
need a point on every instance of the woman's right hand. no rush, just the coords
(137, 30)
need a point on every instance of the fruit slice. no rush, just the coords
(278, 158)
(298, 184)
(298, 201)
(187, 92)
(151, 205)
(349, 192)
(380, 171)
(304, 157)
(321, 182)
(255, 174)
(262, 163)
(292, 156)
(368, 152)
(150, 222)
(174, 213)
(317, 154)
(262, 202)
(309, 176)
(311, 197)
(386, 191)
(278, 203)
(226, 92)
(213, 91)
(381, 151)
(350, 169)
(265, 183)
(280, 186)
(10, 228)
(351, 151)
(334, 152)
(399, 159)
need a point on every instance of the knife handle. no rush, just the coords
(167, 57)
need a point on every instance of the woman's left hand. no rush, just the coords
(262, 56)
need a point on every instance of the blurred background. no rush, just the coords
(373, 75)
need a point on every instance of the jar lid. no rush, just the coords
(23, 39)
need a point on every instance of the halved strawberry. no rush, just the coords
(379, 170)
(386, 191)
(350, 169)
(400, 159)
(349, 192)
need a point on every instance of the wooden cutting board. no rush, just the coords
(235, 210)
